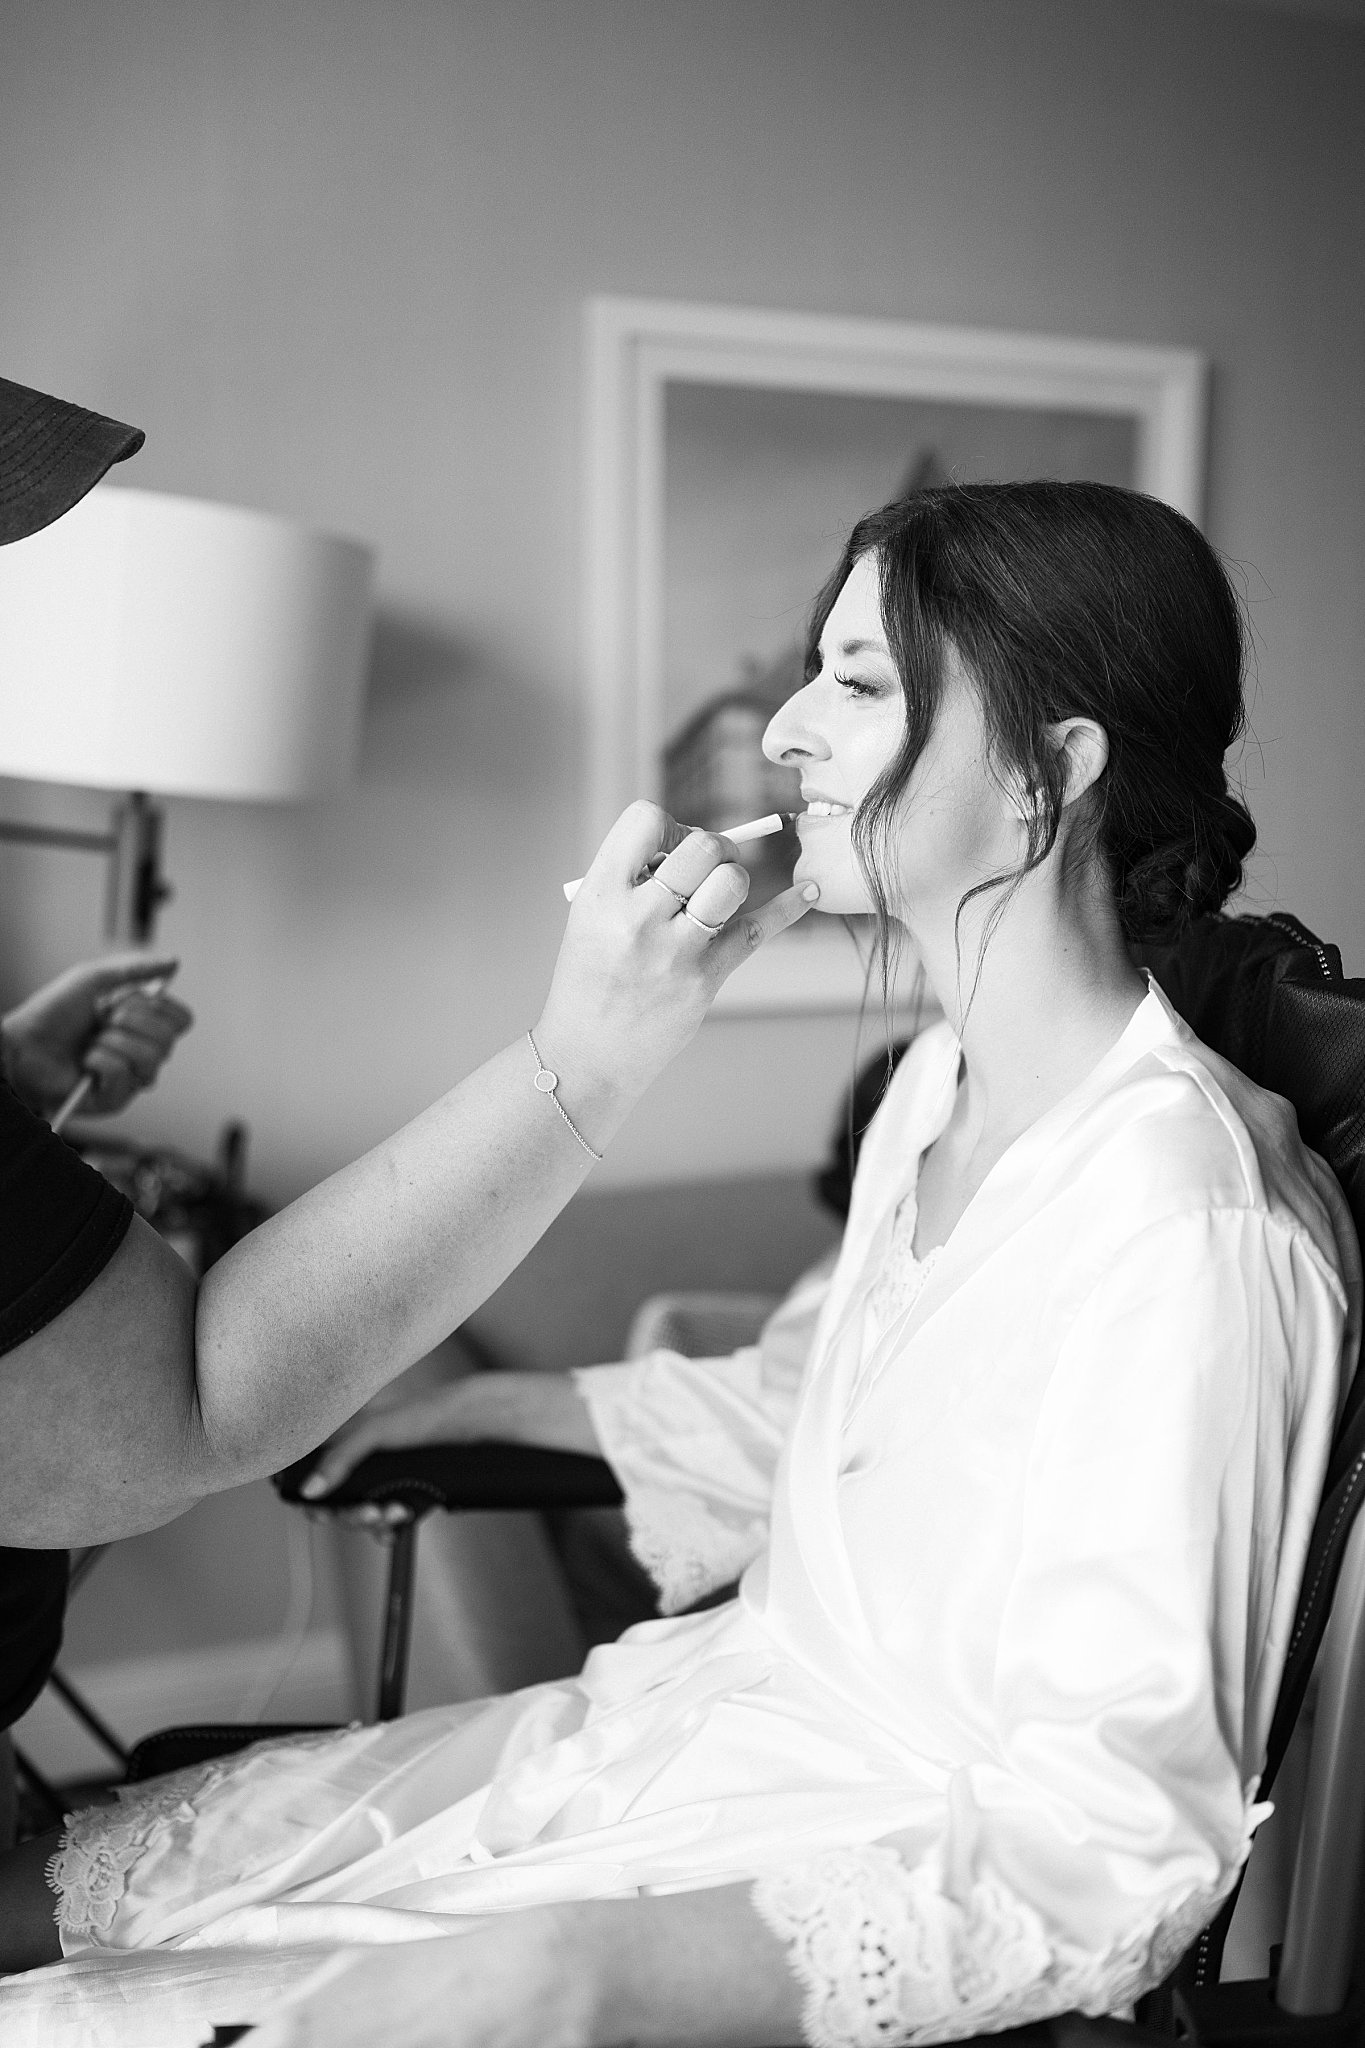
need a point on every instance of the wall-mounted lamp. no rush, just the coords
(154, 644)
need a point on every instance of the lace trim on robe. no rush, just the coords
(886, 1959)
(687, 1546)
(902, 1275)
(101, 1844)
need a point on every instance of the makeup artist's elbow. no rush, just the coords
(97, 1430)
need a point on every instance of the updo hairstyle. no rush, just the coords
(1069, 600)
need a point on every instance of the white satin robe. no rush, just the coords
(1020, 1577)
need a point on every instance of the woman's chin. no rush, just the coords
(838, 896)
(849, 903)
(842, 894)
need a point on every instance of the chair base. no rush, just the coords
(1244, 2014)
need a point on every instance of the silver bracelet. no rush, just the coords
(547, 1081)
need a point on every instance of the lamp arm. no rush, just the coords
(137, 884)
(57, 835)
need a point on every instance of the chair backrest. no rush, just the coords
(1272, 998)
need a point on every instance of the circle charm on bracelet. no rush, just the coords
(545, 1081)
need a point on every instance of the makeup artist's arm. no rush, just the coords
(149, 1391)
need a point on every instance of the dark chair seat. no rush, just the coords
(464, 1476)
(173, 1748)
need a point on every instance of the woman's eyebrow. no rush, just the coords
(866, 647)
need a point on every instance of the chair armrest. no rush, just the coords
(171, 1749)
(461, 1476)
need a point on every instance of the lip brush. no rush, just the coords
(738, 835)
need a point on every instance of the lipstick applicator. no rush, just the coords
(738, 835)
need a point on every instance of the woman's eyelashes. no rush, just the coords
(856, 687)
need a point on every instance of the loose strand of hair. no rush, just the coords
(1042, 837)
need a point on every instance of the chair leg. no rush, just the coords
(85, 1713)
(393, 1661)
(37, 1783)
(1324, 1901)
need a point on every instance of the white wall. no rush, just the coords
(332, 257)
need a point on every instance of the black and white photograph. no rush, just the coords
(682, 1024)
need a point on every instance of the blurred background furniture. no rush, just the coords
(151, 643)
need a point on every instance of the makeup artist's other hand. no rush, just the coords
(642, 960)
(95, 1019)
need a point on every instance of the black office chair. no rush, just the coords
(1271, 998)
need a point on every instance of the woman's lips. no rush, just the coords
(820, 810)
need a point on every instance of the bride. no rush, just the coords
(979, 1738)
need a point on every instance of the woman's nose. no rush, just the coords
(790, 738)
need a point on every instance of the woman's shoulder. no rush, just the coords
(1187, 1178)
(1203, 1138)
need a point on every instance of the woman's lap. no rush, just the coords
(311, 1814)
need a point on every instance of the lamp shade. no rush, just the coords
(159, 643)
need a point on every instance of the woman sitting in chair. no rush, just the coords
(979, 1739)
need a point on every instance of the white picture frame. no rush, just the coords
(641, 350)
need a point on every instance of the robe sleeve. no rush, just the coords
(1172, 1480)
(694, 1443)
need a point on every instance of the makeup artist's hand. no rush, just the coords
(642, 959)
(95, 1019)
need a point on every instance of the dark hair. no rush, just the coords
(1069, 600)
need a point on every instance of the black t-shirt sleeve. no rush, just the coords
(60, 1223)
(32, 1609)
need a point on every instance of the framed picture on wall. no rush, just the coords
(729, 453)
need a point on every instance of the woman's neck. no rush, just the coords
(1056, 990)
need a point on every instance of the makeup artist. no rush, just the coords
(127, 1389)
(94, 1021)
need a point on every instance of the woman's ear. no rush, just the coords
(1084, 747)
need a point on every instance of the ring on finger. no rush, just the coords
(702, 926)
(678, 898)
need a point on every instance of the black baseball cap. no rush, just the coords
(51, 453)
